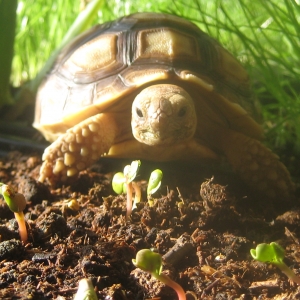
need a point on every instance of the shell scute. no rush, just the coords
(165, 43)
(93, 60)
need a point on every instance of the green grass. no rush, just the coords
(264, 35)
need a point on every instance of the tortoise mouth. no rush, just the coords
(156, 138)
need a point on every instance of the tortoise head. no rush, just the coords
(163, 114)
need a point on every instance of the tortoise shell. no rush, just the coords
(110, 61)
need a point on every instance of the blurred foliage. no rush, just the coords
(7, 34)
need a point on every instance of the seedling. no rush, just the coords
(123, 183)
(151, 262)
(154, 184)
(273, 253)
(85, 290)
(16, 203)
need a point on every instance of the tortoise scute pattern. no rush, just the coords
(153, 86)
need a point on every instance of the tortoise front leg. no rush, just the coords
(78, 148)
(258, 166)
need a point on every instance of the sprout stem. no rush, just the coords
(174, 285)
(288, 272)
(129, 200)
(137, 194)
(22, 226)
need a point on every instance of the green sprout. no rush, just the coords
(16, 203)
(151, 262)
(154, 184)
(273, 253)
(123, 183)
(85, 290)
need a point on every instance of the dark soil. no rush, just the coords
(204, 235)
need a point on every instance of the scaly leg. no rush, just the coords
(78, 148)
(258, 166)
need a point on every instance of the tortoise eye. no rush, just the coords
(182, 111)
(139, 113)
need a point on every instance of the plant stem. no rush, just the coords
(137, 194)
(22, 226)
(129, 200)
(288, 272)
(174, 285)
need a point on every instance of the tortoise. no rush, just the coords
(185, 96)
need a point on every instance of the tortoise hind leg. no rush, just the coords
(258, 166)
(78, 148)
